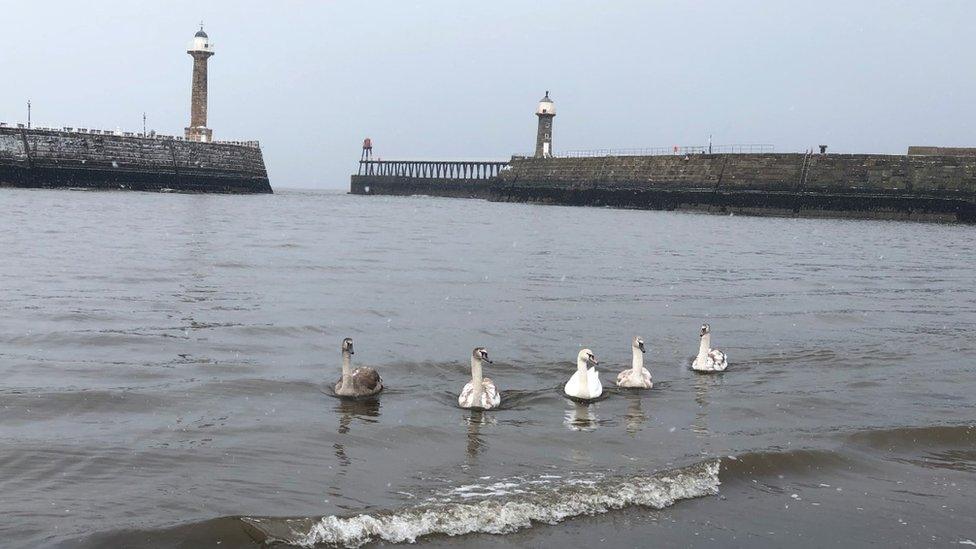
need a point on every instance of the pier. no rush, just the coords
(432, 169)
(928, 183)
(916, 187)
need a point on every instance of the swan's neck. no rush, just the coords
(706, 342)
(638, 360)
(476, 374)
(584, 377)
(346, 367)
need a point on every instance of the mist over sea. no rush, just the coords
(165, 361)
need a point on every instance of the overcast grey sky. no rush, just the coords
(452, 79)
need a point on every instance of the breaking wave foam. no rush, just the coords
(547, 503)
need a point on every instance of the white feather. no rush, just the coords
(489, 397)
(630, 378)
(713, 361)
(590, 389)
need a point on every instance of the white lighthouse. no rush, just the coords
(546, 111)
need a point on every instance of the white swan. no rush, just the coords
(708, 359)
(480, 392)
(585, 383)
(359, 382)
(637, 376)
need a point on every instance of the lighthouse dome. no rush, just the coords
(201, 42)
(546, 106)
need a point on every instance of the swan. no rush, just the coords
(638, 376)
(708, 359)
(360, 382)
(585, 383)
(480, 393)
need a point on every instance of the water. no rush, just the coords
(166, 360)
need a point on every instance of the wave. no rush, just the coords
(764, 464)
(942, 446)
(912, 438)
(518, 505)
(506, 505)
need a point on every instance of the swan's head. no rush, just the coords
(480, 353)
(705, 330)
(587, 356)
(639, 344)
(347, 346)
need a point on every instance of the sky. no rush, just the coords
(448, 79)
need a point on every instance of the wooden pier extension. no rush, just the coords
(432, 169)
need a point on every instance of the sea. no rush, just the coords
(167, 361)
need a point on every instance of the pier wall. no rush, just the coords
(411, 186)
(52, 159)
(834, 185)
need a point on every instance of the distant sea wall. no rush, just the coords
(940, 151)
(834, 185)
(66, 159)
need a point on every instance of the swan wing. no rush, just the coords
(718, 359)
(714, 361)
(646, 378)
(366, 380)
(593, 381)
(623, 378)
(628, 378)
(490, 397)
(467, 396)
(572, 386)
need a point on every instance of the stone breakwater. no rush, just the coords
(43, 158)
(832, 185)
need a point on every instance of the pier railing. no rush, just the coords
(432, 169)
(68, 130)
(753, 148)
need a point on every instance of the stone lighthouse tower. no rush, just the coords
(543, 139)
(200, 49)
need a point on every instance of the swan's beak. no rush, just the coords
(641, 347)
(592, 360)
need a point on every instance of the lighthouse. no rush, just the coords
(200, 49)
(543, 139)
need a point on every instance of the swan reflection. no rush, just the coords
(477, 418)
(700, 425)
(636, 418)
(582, 417)
(350, 409)
(366, 409)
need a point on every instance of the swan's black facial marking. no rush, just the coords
(640, 345)
(347, 346)
(705, 329)
(482, 354)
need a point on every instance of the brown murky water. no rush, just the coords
(165, 357)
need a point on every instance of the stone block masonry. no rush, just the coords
(53, 159)
(833, 185)
(198, 91)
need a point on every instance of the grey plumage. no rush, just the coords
(360, 382)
